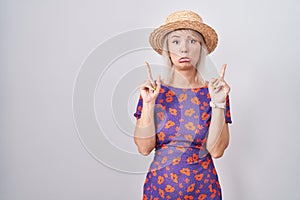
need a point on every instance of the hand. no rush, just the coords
(218, 88)
(149, 89)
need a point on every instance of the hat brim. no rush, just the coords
(209, 34)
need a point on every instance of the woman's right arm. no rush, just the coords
(144, 133)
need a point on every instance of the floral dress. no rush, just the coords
(182, 167)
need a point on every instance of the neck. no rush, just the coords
(186, 78)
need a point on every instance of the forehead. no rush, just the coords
(184, 33)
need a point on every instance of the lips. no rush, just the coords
(184, 59)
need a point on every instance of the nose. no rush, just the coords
(184, 47)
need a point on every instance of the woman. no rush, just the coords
(184, 117)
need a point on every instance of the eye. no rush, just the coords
(175, 42)
(193, 41)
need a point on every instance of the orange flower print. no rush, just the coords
(180, 148)
(200, 127)
(205, 164)
(170, 93)
(187, 180)
(164, 160)
(195, 156)
(195, 90)
(161, 115)
(214, 171)
(161, 193)
(145, 197)
(161, 136)
(160, 180)
(189, 137)
(189, 160)
(190, 126)
(154, 172)
(154, 187)
(205, 104)
(199, 177)
(173, 111)
(169, 124)
(228, 113)
(188, 197)
(208, 96)
(176, 161)
(162, 90)
(174, 177)
(189, 112)
(169, 99)
(169, 188)
(202, 197)
(146, 181)
(185, 171)
(204, 116)
(191, 188)
(213, 195)
(182, 97)
(195, 100)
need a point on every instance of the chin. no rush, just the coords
(185, 66)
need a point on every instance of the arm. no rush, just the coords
(144, 133)
(218, 132)
(218, 137)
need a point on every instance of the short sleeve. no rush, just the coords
(227, 111)
(139, 107)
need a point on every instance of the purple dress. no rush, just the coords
(182, 167)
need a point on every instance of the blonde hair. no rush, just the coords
(200, 66)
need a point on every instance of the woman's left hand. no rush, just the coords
(218, 88)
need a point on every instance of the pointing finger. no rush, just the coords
(149, 72)
(222, 73)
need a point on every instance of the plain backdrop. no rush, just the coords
(44, 45)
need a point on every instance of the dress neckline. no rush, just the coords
(179, 88)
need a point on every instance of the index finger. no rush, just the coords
(222, 73)
(149, 71)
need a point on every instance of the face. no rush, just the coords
(184, 48)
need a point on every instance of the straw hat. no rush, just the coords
(183, 20)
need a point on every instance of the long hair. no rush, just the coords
(200, 66)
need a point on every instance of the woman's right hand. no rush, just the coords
(149, 89)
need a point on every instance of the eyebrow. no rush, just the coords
(192, 36)
(175, 36)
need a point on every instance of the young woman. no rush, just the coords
(183, 117)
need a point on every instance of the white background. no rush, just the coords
(43, 45)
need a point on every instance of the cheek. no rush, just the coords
(174, 57)
(195, 54)
(173, 49)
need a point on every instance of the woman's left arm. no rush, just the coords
(218, 132)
